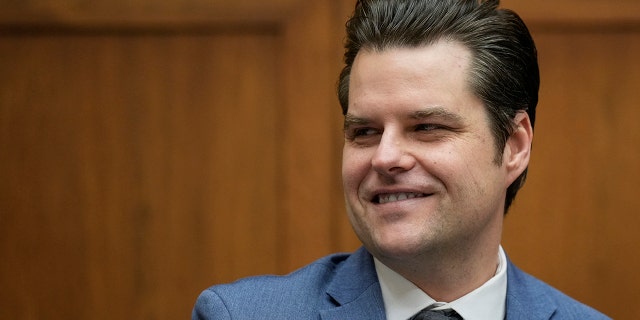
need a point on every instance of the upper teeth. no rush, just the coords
(393, 197)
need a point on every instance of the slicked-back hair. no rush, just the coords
(504, 68)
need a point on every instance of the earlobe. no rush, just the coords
(518, 146)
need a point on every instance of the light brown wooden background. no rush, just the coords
(150, 149)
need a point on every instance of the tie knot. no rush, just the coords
(430, 314)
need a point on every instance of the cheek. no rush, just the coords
(480, 178)
(354, 168)
(461, 166)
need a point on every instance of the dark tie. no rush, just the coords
(428, 314)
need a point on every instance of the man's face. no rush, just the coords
(419, 162)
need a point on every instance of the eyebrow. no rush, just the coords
(431, 112)
(437, 112)
(351, 120)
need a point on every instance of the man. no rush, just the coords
(439, 100)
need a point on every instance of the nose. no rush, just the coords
(392, 155)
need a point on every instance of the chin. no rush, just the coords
(397, 247)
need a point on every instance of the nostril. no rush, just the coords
(394, 169)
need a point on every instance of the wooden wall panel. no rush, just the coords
(584, 14)
(136, 170)
(123, 14)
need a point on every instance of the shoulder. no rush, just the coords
(299, 293)
(529, 294)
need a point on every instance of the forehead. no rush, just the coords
(435, 74)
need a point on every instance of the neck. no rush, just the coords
(448, 274)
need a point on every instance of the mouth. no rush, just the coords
(394, 197)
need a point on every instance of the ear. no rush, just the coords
(517, 150)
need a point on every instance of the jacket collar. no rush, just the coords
(355, 290)
(524, 299)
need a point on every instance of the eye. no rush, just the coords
(361, 134)
(428, 127)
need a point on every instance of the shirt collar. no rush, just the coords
(402, 299)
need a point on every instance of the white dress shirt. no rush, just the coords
(403, 299)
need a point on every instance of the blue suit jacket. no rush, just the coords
(344, 286)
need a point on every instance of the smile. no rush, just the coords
(393, 197)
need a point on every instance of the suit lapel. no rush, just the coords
(526, 298)
(355, 290)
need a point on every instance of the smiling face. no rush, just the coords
(420, 171)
